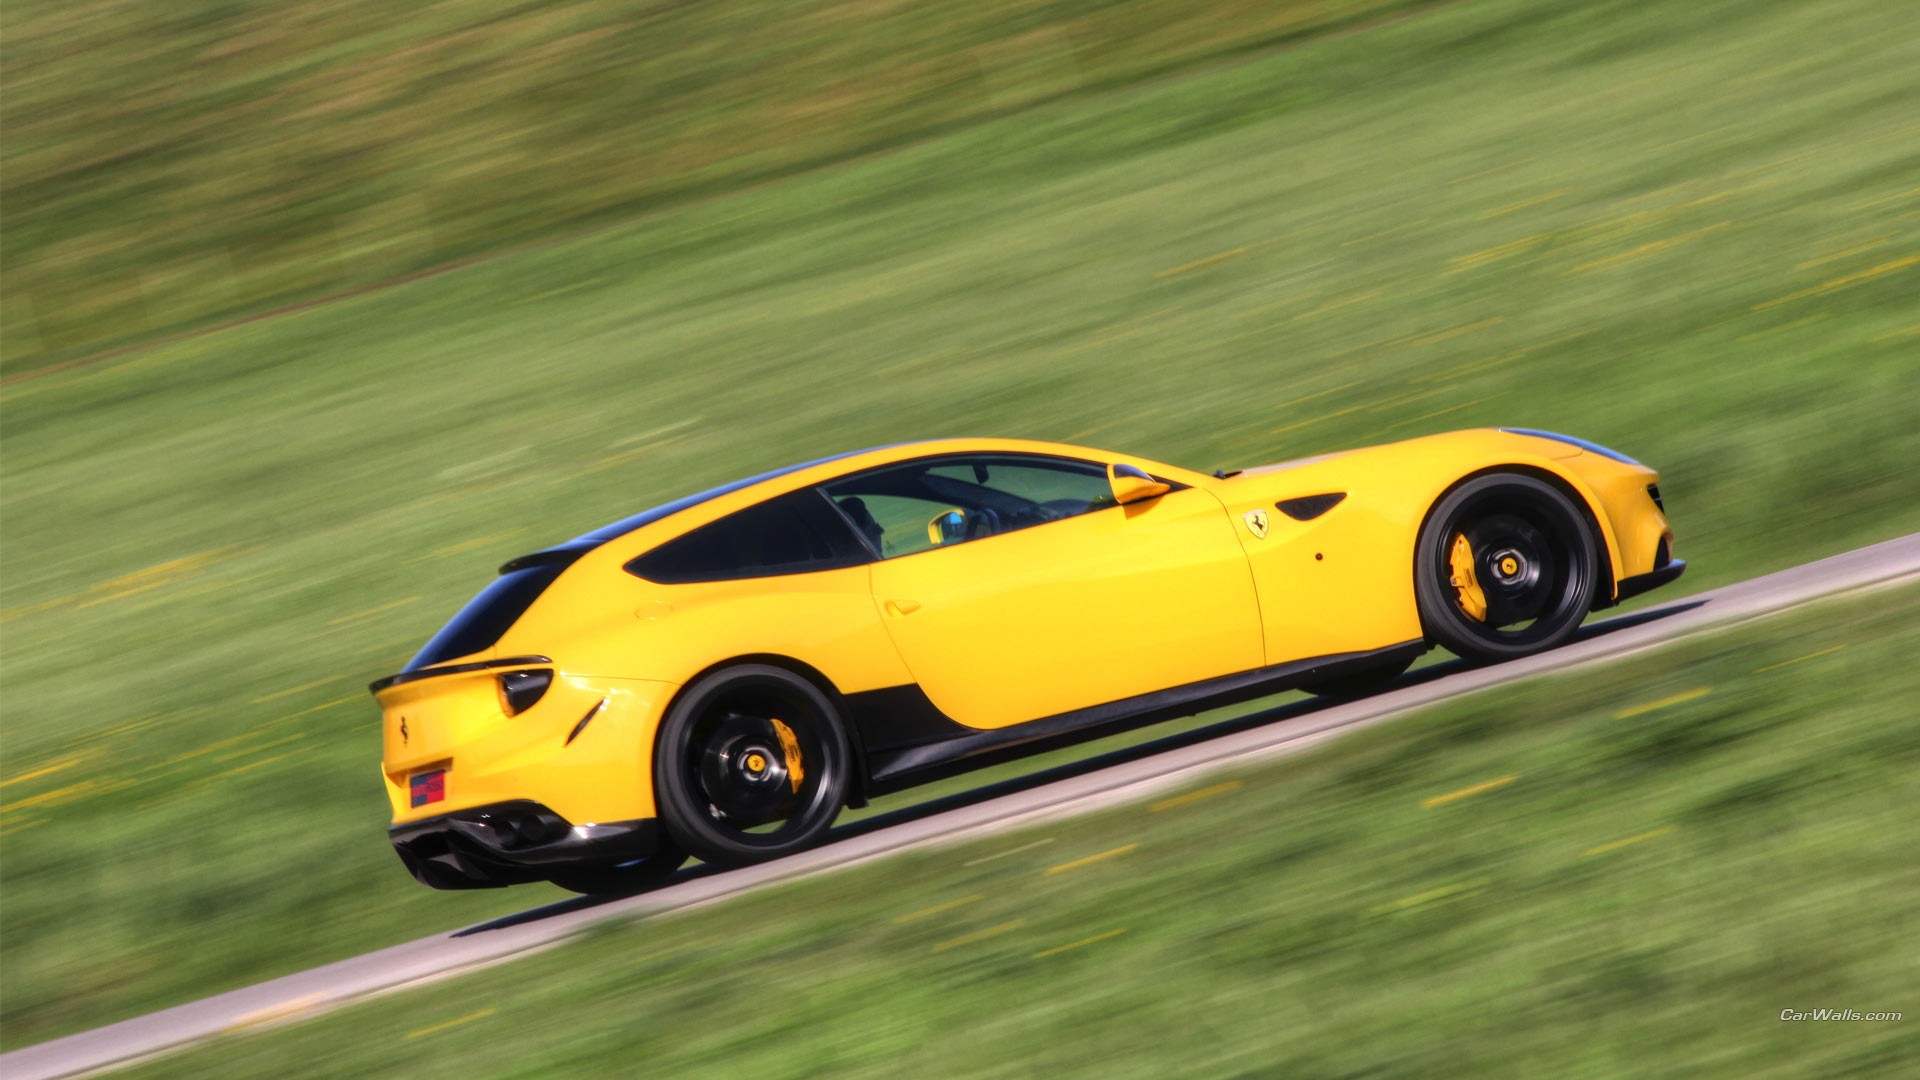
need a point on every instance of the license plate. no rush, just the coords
(428, 787)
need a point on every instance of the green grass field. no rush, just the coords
(1628, 871)
(1690, 230)
(171, 164)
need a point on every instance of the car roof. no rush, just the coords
(844, 463)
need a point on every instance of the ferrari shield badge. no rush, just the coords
(1256, 523)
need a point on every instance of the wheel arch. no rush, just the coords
(1582, 498)
(857, 783)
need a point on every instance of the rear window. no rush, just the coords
(796, 533)
(487, 616)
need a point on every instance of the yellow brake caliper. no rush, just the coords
(790, 748)
(1472, 601)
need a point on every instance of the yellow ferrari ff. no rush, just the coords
(718, 676)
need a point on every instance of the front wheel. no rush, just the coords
(751, 764)
(1506, 566)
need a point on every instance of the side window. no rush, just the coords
(918, 505)
(797, 533)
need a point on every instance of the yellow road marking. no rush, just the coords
(1628, 840)
(370, 611)
(290, 691)
(1684, 695)
(1466, 791)
(467, 1019)
(1058, 949)
(1193, 796)
(1009, 851)
(1823, 652)
(938, 908)
(290, 1007)
(1199, 263)
(979, 935)
(1882, 270)
(1101, 857)
(1410, 902)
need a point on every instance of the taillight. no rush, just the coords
(519, 690)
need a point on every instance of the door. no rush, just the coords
(1016, 588)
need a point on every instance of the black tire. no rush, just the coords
(1535, 565)
(1359, 683)
(623, 879)
(724, 775)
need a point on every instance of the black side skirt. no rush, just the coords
(909, 741)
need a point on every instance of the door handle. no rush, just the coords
(903, 607)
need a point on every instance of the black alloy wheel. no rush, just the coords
(751, 764)
(1506, 566)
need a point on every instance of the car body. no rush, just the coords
(846, 627)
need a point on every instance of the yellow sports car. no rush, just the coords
(720, 675)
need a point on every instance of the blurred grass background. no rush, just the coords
(1628, 871)
(1690, 230)
(167, 164)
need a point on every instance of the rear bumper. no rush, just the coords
(509, 843)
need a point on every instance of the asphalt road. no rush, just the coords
(1123, 775)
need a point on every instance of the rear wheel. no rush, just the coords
(1506, 566)
(752, 764)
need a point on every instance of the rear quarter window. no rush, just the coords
(797, 533)
(487, 616)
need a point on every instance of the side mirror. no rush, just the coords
(947, 526)
(1131, 484)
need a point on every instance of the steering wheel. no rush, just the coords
(982, 522)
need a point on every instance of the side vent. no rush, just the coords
(1308, 507)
